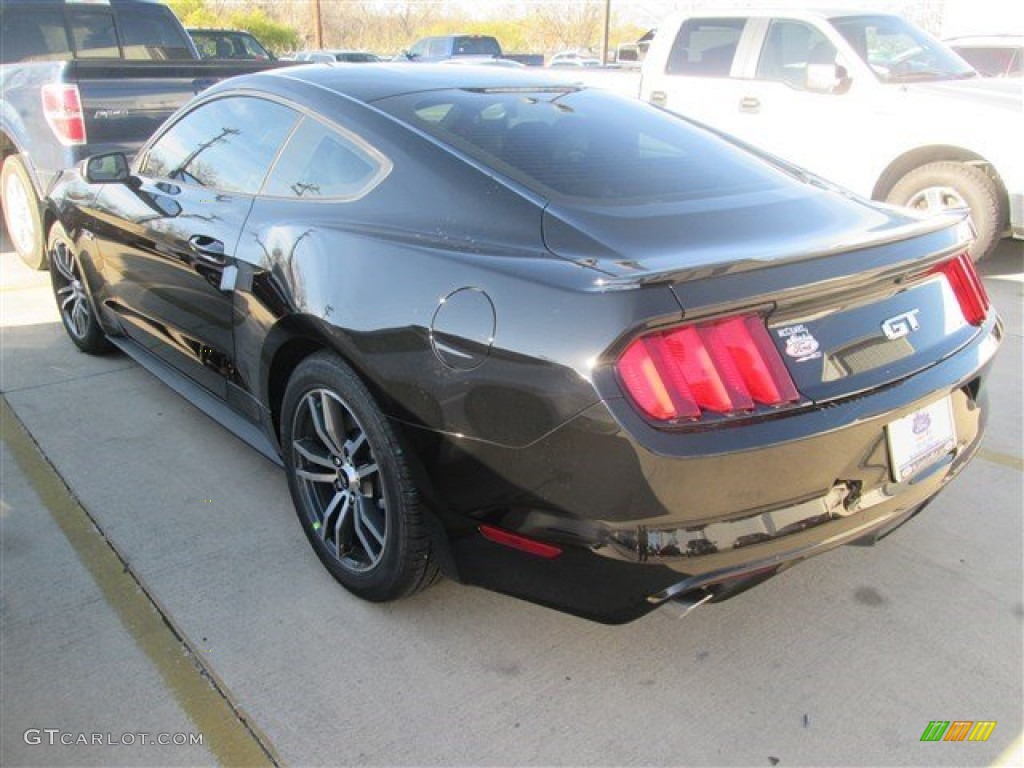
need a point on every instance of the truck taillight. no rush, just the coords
(967, 287)
(62, 107)
(720, 366)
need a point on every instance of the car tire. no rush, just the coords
(72, 294)
(21, 212)
(950, 186)
(351, 484)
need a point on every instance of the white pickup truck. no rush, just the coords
(865, 100)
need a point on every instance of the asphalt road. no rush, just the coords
(195, 606)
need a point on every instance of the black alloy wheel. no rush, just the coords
(70, 291)
(351, 485)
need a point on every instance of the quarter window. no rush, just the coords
(227, 144)
(705, 47)
(320, 162)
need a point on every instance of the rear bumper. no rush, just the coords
(645, 516)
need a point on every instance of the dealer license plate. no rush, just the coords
(921, 438)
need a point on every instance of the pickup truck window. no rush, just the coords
(789, 47)
(227, 144)
(148, 35)
(146, 32)
(705, 47)
(93, 35)
(476, 45)
(438, 47)
(33, 35)
(899, 52)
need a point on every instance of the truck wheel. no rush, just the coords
(950, 186)
(21, 212)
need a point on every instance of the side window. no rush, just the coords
(320, 162)
(438, 47)
(227, 144)
(93, 35)
(33, 35)
(150, 33)
(705, 47)
(420, 49)
(789, 47)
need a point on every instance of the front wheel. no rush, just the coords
(69, 289)
(949, 186)
(351, 483)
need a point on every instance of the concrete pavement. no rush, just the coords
(842, 660)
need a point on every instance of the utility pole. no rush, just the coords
(318, 26)
(607, 24)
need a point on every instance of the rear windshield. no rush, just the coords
(585, 144)
(228, 45)
(147, 32)
(476, 46)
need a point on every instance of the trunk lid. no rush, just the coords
(845, 286)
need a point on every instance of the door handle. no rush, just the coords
(750, 104)
(659, 98)
(207, 248)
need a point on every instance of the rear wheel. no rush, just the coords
(69, 289)
(21, 212)
(351, 484)
(948, 186)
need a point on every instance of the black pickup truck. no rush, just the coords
(82, 78)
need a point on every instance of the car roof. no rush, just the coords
(381, 80)
(219, 31)
(986, 40)
(781, 11)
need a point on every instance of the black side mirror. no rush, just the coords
(110, 168)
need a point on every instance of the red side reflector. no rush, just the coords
(62, 108)
(515, 541)
(721, 366)
(967, 287)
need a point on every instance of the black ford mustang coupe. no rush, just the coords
(538, 337)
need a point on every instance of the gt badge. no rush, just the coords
(800, 344)
(901, 325)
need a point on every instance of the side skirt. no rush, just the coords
(216, 409)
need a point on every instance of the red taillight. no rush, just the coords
(62, 107)
(721, 366)
(967, 287)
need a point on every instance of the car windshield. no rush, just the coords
(899, 52)
(476, 46)
(585, 144)
(228, 45)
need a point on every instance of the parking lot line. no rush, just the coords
(228, 734)
(1002, 459)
